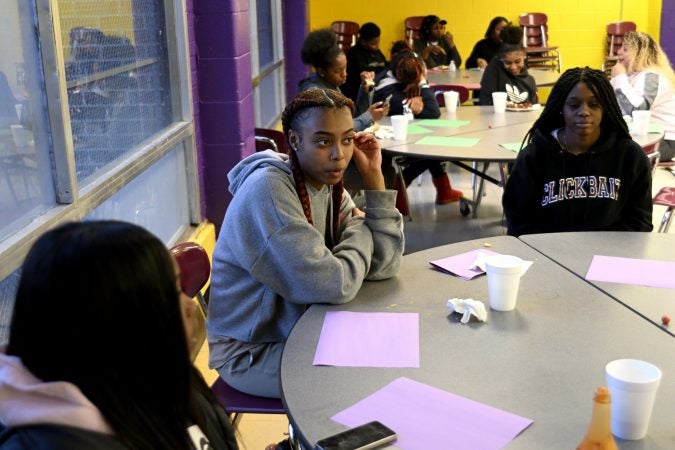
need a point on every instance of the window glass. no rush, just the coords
(267, 61)
(157, 199)
(265, 33)
(26, 182)
(117, 74)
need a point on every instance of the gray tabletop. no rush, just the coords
(470, 78)
(542, 361)
(575, 251)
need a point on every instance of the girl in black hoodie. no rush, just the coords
(580, 170)
(506, 72)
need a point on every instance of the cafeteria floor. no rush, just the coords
(432, 225)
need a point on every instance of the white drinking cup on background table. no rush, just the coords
(633, 384)
(641, 122)
(499, 101)
(451, 99)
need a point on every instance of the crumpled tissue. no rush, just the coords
(468, 307)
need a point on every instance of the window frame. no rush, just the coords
(278, 64)
(73, 201)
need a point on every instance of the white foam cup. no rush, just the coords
(499, 101)
(19, 135)
(503, 274)
(641, 122)
(399, 124)
(632, 384)
(451, 99)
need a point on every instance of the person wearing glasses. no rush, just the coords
(506, 72)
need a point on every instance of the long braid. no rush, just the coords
(297, 111)
(552, 118)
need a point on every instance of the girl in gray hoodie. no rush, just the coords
(292, 236)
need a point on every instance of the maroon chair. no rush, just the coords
(195, 270)
(346, 32)
(440, 88)
(615, 33)
(268, 139)
(412, 28)
(665, 197)
(540, 54)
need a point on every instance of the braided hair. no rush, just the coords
(552, 117)
(297, 111)
(647, 54)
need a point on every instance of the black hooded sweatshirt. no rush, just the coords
(521, 88)
(606, 188)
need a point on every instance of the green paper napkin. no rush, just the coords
(513, 146)
(448, 123)
(445, 141)
(416, 129)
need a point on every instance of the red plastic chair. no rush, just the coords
(346, 33)
(412, 28)
(615, 33)
(665, 197)
(440, 88)
(268, 139)
(195, 270)
(540, 54)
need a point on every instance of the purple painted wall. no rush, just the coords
(220, 58)
(667, 39)
(223, 95)
(295, 21)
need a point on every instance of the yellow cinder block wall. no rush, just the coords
(577, 27)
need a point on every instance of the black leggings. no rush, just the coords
(666, 150)
(415, 167)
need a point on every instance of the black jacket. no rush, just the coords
(451, 54)
(485, 49)
(606, 188)
(431, 110)
(497, 79)
(360, 59)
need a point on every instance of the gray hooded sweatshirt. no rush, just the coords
(270, 263)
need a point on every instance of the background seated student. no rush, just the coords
(98, 348)
(643, 79)
(580, 170)
(435, 44)
(507, 72)
(321, 51)
(292, 237)
(487, 48)
(411, 88)
(364, 61)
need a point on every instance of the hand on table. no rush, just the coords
(482, 64)
(368, 159)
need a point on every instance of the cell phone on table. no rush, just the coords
(367, 436)
(386, 101)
